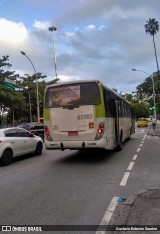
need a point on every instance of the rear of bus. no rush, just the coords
(74, 115)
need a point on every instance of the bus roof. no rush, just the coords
(72, 82)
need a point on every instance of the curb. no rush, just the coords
(123, 218)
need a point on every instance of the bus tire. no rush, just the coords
(130, 135)
(120, 144)
(7, 157)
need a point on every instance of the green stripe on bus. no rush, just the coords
(100, 109)
(46, 114)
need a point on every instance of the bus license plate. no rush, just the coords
(74, 133)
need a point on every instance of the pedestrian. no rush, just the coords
(153, 123)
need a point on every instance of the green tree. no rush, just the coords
(5, 100)
(28, 85)
(152, 27)
(141, 109)
(145, 90)
(16, 104)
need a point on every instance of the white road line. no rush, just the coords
(108, 214)
(138, 149)
(135, 157)
(140, 145)
(130, 166)
(124, 179)
(142, 142)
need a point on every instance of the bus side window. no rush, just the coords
(108, 104)
(112, 104)
(120, 107)
(127, 111)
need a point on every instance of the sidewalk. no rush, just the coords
(140, 213)
(155, 132)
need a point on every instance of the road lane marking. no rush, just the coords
(125, 178)
(135, 157)
(144, 136)
(107, 217)
(112, 206)
(108, 214)
(130, 166)
(138, 149)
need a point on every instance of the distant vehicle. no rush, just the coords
(142, 122)
(16, 142)
(35, 128)
(86, 114)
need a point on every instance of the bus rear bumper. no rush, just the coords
(76, 144)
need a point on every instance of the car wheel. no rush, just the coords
(7, 157)
(38, 150)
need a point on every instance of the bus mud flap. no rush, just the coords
(62, 147)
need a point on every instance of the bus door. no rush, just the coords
(116, 115)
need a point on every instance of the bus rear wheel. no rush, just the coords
(120, 144)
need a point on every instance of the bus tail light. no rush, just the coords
(47, 133)
(101, 125)
(100, 131)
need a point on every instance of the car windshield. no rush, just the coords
(141, 119)
(39, 127)
(25, 126)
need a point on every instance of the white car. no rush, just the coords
(16, 142)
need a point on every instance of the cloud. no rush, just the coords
(90, 27)
(15, 37)
(12, 33)
(43, 25)
(94, 40)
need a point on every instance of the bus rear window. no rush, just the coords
(72, 95)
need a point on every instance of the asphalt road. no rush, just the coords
(75, 188)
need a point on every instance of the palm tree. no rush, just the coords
(152, 27)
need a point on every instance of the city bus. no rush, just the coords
(85, 114)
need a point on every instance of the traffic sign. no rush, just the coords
(10, 84)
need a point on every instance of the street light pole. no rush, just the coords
(30, 107)
(52, 29)
(37, 91)
(154, 100)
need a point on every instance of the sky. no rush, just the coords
(95, 39)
